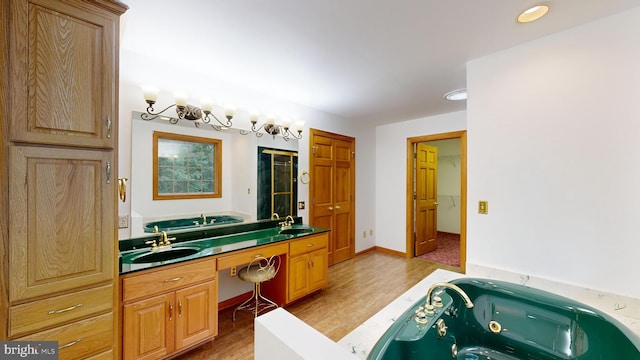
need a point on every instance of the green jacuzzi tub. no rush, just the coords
(508, 321)
(191, 223)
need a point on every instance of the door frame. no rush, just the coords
(410, 210)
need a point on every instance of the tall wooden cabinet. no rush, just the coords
(59, 110)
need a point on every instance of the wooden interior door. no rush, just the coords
(342, 195)
(426, 199)
(332, 191)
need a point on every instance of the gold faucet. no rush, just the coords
(275, 216)
(204, 218)
(430, 303)
(163, 243)
(286, 224)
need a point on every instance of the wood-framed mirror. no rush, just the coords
(186, 167)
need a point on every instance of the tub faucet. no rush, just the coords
(468, 303)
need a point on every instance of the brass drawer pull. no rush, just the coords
(69, 344)
(53, 312)
(108, 127)
(311, 245)
(174, 279)
(179, 308)
(170, 311)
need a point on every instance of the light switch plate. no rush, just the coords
(483, 207)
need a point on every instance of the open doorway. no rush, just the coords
(448, 200)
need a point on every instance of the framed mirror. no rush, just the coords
(186, 167)
(277, 187)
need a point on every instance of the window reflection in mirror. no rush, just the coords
(277, 188)
(186, 167)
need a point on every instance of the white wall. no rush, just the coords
(138, 69)
(553, 129)
(448, 185)
(391, 170)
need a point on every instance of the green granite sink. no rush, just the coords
(164, 255)
(297, 230)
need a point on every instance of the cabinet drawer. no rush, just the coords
(53, 311)
(107, 355)
(163, 280)
(307, 244)
(245, 257)
(80, 339)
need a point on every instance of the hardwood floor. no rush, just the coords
(358, 288)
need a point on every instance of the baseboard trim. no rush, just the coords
(382, 250)
(234, 301)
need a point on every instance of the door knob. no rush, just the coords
(337, 207)
(330, 208)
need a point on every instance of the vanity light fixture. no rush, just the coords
(533, 13)
(186, 111)
(273, 127)
(456, 95)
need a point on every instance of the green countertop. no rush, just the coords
(215, 245)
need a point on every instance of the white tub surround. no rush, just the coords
(279, 332)
(280, 335)
(361, 340)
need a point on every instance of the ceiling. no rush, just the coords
(375, 61)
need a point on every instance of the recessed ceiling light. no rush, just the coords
(456, 95)
(533, 14)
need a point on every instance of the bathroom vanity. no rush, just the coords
(171, 305)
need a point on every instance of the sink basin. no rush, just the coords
(296, 231)
(164, 255)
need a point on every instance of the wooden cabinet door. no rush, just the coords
(196, 314)
(319, 269)
(148, 328)
(63, 85)
(298, 276)
(61, 222)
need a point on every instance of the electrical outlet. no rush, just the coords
(300, 205)
(123, 221)
(371, 232)
(364, 234)
(233, 271)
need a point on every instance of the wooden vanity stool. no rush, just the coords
(259, 270)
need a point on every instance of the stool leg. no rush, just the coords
(256, 298)
(243, 306)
